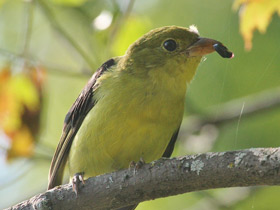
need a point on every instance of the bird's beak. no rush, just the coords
(204, 46)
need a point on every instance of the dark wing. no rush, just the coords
(72, 123)
(169, 149)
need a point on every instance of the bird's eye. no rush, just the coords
(170, 45)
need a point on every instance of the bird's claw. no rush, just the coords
(140, 163)
(77, 179)
(136, 166)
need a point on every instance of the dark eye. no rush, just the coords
(170, 45)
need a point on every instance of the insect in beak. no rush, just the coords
(204, 46)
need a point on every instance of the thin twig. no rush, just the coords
(254, 104)
(28, 24)
(120, 21)
(52, 19)
(83, 73)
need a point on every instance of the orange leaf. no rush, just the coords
(20, 104)
(22, 144)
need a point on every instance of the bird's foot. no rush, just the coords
(140, 163)
(77, 179)
(136, 166)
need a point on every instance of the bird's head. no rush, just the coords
(172, 48)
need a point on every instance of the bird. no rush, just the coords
(132, 107)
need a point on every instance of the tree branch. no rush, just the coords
(224, 113)
(165, 177)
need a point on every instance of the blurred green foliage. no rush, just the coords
(64, 40)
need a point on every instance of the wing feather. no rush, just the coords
(169, 149)
(72, 123)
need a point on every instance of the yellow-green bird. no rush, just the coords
(132, 107)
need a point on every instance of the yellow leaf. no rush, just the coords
(17, 93)
(25, 91)
(255, 15)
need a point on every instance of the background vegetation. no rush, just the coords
(49, 49)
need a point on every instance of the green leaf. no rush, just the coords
(2, 2)
(129, 32)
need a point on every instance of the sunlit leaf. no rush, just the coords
(2, 2)
(69, 2)
(255, 15)
(133, 28)
(20, 103)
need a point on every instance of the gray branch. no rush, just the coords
(165, 177)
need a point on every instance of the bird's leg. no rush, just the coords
(136, 166)
(132, 165)
(77, 179)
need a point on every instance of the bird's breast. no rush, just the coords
(126, 124)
